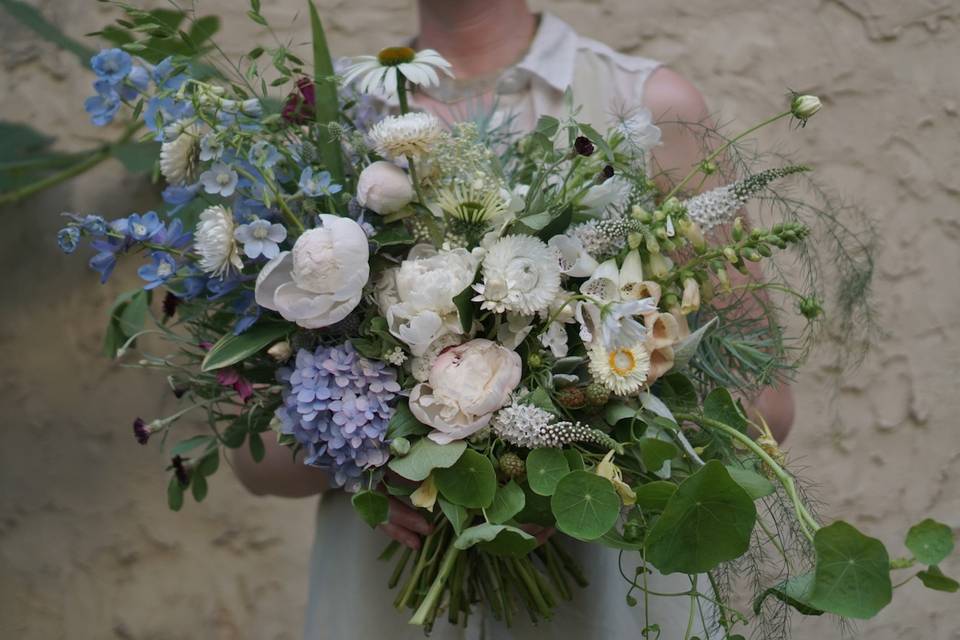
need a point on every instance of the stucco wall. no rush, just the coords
(87, 546)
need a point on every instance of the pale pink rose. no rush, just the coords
(467, 384)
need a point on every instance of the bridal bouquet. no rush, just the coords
(514, 332)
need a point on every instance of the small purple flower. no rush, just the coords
(180, 471)
(170, 304)
(159, 271)
(318, 184)
(173, 236)
(141, 431)
(179, 195)
(68, 238)
(112, 65)
(260, 238)
(220, 179)
(144, 227)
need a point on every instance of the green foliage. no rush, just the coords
(508, 502)
(545, 468)
(752, 482)
(174, 494)
(585, 505)
(457, 515)
(425, 456)
(127, 317)
(706, 522)
(653, 496)
(161, 33)
(327, 103)
(536, 508)
(372, 506)
(257, 449)
(464, 306)
(793, 592)
(498, 539)
(231, 349)
(403, 424)
(930, 542)
(719, 405)
(852, 575)
(654, 453)
(136, 157)
(470, 482)
(185, 446)
(933, 578)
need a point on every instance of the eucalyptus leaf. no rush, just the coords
(545, 468)
(507, 503)
(471, 482)
(425, 456)
(190, 444)
(930, 541)
(707, 521)
(231, 349)
(198, 487)
(498, 539)
(373, 507)
(568, 364)
(852, 575)
(585, 505)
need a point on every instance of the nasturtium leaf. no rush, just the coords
(192, 443)
(174, 494)
(574, 459)
(654, 452)
(719, 405)
(930, 541)
(471, 482)
(706, 522)
(585, 505)
(933, 578)
(615, 540)
(617, 411)
(852, 575)
(425, 456)
(403, 424)
(457, 515)
(372, 506)
(231, 349)
(542, 400)
(793, 592)
(257, 449)
(498, 539)
(655, 495)
(545, 467)
(507, 502)
(752, 482)
(536, 508)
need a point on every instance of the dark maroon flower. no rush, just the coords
(141, 431)
(583, 146)
(300, 107)
(180, 470)
(606, 173)
(170, 304)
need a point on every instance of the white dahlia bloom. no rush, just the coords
(214, 241)
(622, 370)
(180, 156)
(380, 71)
(520, 274)
(412, 134)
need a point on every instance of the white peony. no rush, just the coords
(417, 297)
(467, 384)
(520, 274)
(322, 279)
(384, 187)
(214, 241)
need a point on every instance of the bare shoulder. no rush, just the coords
(671, 96)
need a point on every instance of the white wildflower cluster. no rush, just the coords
(602, 238)
(715, 207)
(525, 425)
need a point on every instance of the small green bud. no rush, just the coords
(659, 215)
(810, 308)
(708, 168)
(764, 250)
(400, 446)
(751, 254)
(737, 231)
(731, 255)
(634, 239)
(640, 214)
(804, 107)
(535, 360)
(673, 207)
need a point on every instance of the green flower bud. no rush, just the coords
(737, 231)
(400, 446)
(810, 308)
(805, 107)
(731, 255)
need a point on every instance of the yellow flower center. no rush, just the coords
(393, 56)
(622, 362)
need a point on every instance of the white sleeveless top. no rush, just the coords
(349, 599)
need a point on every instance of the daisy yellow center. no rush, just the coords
(393, 56)
(622, 362)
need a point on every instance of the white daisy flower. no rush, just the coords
(379, 71)
(520, 274)
(622, 370)
(180, 155)
(412, 134)
(214, 241)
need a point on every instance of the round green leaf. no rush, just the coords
(852, 574)
(536, 508)
(655, 452)
(507, 502)
(471, 482)
(545, 467)
(719, 405)
(930, 541)
(655, 495)
(425, 456)
(707, 521)
(752, 482)
(498, 539)
(373, 507)
(585, 505)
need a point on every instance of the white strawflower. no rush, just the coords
(520, 274)
(180, 156)
(623, 370)
(412, 134)
(214, 241)
(380, 71)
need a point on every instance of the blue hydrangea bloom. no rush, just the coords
(159, 271)
(318, 184)
(112, 65)
(68, 238)
(336, 404)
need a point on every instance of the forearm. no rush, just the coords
(278, 474)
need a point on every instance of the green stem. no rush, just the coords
(425, 612)
(402, 93)
(713, 156)
(411, 165)
(533, 588)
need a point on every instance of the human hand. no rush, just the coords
(405, 524)
(542, 534)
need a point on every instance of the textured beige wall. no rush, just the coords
(87, 547)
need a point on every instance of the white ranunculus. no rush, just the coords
(417, 297)
(384, 187)
(467, 384)
(322, 279)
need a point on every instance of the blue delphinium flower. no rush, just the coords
(247, 310)
(68, 238)
(178, 195)
(173, 236)
(102, 108)
(219, 179)
(211, 148)
(94, 225)
(260, 238)
(263, 154)
(159, 271)
(318, 184)
(144, 227)
(113, 65)
(336, 404)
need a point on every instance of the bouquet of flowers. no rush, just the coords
(508, 330)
